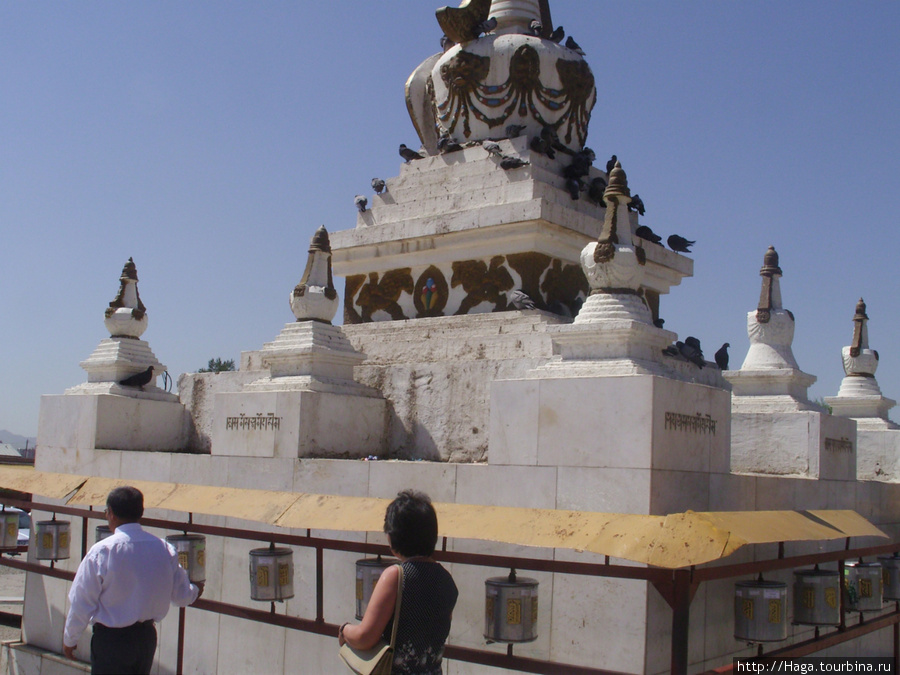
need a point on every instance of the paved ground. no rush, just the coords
(12, 585)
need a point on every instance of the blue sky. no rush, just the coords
(209, 141)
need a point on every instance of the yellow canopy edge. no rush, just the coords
(672, 541)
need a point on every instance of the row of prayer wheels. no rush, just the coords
(760, 607)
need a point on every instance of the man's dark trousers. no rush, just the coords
(127, 650)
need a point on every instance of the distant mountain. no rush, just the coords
(18, 442)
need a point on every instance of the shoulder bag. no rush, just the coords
(379, 659)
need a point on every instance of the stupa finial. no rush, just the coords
(315, 297)
(860, 339)
(769, 297)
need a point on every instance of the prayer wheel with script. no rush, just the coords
(890, 576)
(191, 550)
(271, 574)
(101, 532)
(9, 535)
(368, 572)
(760, 611)
(862, 586)
(511, 609)
(52, 539)
(817, 597)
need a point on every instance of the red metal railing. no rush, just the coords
(676, 586)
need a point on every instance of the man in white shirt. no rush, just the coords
(125, 583)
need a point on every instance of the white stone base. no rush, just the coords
(879, 453)
(636, 422)
(113, 423)
(116, 358)
(804, 443)
(292, 424)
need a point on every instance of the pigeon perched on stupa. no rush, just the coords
(637, 204)
(361, 203)
(139, 379)
(722, 357)
(690, 349)
(557, 35)
(378, 185)
(408, 154)
(520, 300)
(611, 164)
(679, 244)
(646, 233)
(571, 44)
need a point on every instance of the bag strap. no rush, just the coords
(397, 606)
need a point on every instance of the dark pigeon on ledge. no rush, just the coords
(138, 380)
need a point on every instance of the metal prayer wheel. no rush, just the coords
(9, 537)
(52, 539)
(191, 550)
(271, 574)
(101, 532)
(368, 572)
(817, 597)
(890, 576)
(862, 586)
(510, 609)
(760, 611)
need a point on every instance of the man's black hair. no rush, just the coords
(410, 523)
(126, 503)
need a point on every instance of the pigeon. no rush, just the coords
(492, 148)
(637, 204)
(573, 187)
(691, 353)
(509, 162)
(487, 26)
(545, 142)
(659, 323)
(138, 380)
(722, 357)
(520, 300)
(611, 164)
(409, 154)
(557, 35)
(447, 144)
(514, 130)
(536, 28)
(378, 185)
(595, 191)
(646, 233)
(680, 244)
(571, 44)
(581, 164)
(361, 203)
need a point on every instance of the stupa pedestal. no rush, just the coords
(309, 405)
(775, 428)
(106, 413)
(860, 399)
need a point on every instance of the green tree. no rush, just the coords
(217, 365)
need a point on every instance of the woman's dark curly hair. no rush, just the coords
(410, 523)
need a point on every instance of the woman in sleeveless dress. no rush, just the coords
(429, 594)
